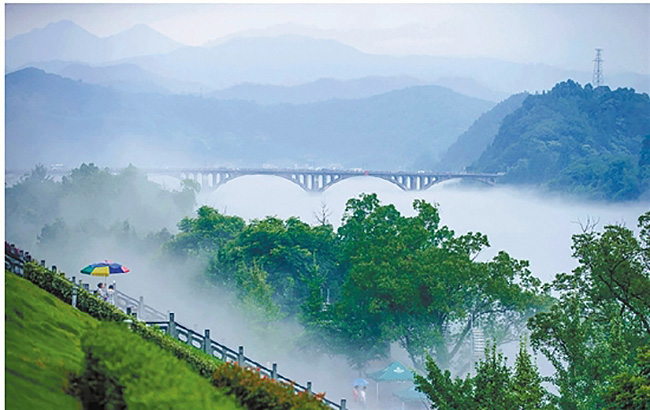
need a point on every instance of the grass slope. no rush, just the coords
(42, 346)
(47, 340)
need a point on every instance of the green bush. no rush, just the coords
(151, 378)
(256, 392)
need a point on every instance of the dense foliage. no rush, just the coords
(494, 386)
(596, 335)
(381, 278)
(584, 140)
(122, 372)
(413, 281)
(599, 323)
(293, 257)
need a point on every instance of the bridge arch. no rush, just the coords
(318, 180)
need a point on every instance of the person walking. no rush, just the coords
(362, 397)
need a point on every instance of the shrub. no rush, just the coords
(151, 377)
(260, 393)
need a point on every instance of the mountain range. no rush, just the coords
(286, 59)
(66, 41)
(52, 119)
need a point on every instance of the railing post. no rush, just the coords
(128, 310)
(171, 328)
(274, 371)
(43, 262)
(207, 345)
(140, 306)
(309, 388)
(74, 296)
(240, 356)
(54, 268)
(343, 401)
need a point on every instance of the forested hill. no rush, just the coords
(591, 142)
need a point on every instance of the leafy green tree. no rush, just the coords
(443, 392)
(631, 390)
(255, 296)
(205, 234)
(601, 316)
(295, 256)
(494, 387)
(492, 382)
(413, 281)
(526, 383)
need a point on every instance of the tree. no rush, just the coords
(205, 234)
(492, 382)
(600, 318)
(526, 383)
(417, 283)
(494, 387)
(631, 390)
(443, 392)
(294, 255)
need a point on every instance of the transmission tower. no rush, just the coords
(598, 69)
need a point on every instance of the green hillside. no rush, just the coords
(42, 346)
(582, 140)
(470, 145)
(47, 341)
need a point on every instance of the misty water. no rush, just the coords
(525, 223)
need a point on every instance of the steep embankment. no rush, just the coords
(578, 140)
(48, 340)
(42, 346)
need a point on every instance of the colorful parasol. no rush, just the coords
(104, 268)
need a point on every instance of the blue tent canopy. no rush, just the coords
(394, 372)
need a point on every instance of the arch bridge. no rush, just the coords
(318, 180)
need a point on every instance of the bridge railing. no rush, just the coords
(15, 260)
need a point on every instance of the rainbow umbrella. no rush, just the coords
(104, 268)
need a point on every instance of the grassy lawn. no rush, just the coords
(42, 346)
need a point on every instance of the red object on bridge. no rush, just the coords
(366, 173)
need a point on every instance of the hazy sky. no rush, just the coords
(564, 35)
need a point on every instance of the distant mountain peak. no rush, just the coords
(62, 25)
